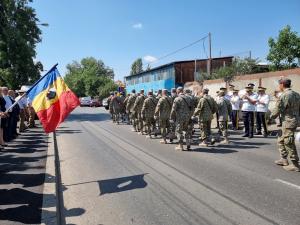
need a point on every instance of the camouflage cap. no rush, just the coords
(285, 81)
(261, 88)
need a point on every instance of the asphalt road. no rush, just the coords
(112, 176)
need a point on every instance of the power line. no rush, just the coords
(180, 49)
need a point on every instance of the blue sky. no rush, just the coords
(118, 32)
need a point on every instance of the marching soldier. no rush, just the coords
(172, 135)
(224, 110)
(181, 114)
(288, 106)
(262, 106)
(137, 108)
(129, 108)
(109, 102)
(126, 111)
(205, 110)
(147, 113)
(116, 107)
(162, 111)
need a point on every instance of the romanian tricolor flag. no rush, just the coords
(52, 100)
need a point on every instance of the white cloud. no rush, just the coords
(150, 59)
(137, 26)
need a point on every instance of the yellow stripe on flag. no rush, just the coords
(41, 101)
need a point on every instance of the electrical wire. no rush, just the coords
(180, 49)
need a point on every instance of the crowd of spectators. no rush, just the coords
(22, 112)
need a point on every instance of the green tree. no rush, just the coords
(245, 66)
(106, 89)
(87, 77)
(227, 73)
(19, 34)
(137, 67)
(285, 49)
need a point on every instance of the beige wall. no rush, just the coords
(268, 80)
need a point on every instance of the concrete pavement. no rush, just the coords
(22, 178)
(113, 176)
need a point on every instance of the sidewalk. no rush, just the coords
(22, 180)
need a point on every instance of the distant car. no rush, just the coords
(105, 103)
(95, 103)
(85, 101)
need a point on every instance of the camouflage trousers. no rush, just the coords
(164, 127)
(205, 130)
(183, 131)
(286, 144)
(140, 122)
(224, 128)
(133, 119)
(149, 125)
(116, 115)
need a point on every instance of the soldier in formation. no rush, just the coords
(176, 113)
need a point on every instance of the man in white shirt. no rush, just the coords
(7, 98)
(235, 105)
(248, 108)
(231, 90)
(262, 106)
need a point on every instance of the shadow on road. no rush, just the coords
(122, 184)
(116, 185)
(88, 117)
(22, 175)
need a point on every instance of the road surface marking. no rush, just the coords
(288, 183)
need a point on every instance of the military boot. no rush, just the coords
(225, 141)
(282, 162)
(188, 144)
(163, 141)
(294, 166)
(179, 147)
(203, 144)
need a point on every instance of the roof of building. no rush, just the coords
(173, 63)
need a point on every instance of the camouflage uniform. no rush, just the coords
(288, 106)
(162, 111)
(137, 108)
(147, 113)
(172, 125)
(206, 107)
(181, 114)
(193, 101)
(224, 111)
(129, 108)
(116, 108)
(110, 107)
(126, 110)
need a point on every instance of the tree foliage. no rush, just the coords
(89, 76)
(285, 49)
(137, 67)
(19, 34)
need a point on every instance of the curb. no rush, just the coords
(49, 194)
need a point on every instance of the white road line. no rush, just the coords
(288, 183)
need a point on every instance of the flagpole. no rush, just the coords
(16, 102)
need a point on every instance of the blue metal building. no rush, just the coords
(172, 75)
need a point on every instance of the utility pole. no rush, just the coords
(209, 60)
(250, 54)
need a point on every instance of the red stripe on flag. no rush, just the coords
(52, 117)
